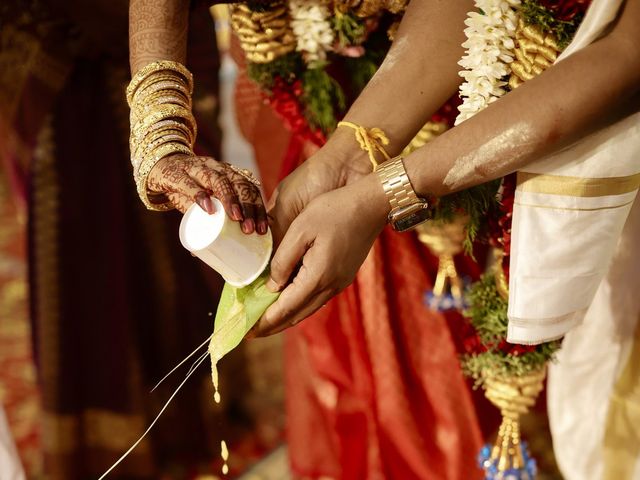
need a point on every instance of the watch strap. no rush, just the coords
(396, 184)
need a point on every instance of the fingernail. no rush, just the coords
(248, 226)
(210, 207)
(262, 227)
(201, 200)
(272, 286)
(237, 212)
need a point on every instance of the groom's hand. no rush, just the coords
(339, 163)
(332, 237)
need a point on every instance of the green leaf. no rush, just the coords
(288, 67)
(322, 97)
(238, 311)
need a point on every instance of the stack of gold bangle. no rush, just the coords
(162, 124)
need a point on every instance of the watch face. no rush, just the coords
(411, 217)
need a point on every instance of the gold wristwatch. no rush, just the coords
(407, 209)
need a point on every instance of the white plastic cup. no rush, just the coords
(220, 243)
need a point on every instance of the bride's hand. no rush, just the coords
(332, 236)
(185, 179)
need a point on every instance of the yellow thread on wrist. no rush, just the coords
(371, 140)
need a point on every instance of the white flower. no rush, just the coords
(488, 52)
(310, 25)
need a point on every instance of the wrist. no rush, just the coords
(344, 155)
(374, 197)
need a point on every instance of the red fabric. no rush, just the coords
(374, 389)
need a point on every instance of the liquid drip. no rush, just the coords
(224, 452)
(214, 379)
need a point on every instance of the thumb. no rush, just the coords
(283, 208)
(287, 256)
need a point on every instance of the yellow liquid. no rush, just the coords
(224, 452)
(214, 379)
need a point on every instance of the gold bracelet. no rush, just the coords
(149, 98)
(155, 130)
(160, 127)
(162, 83)
(146, 167)
(151, 147)
(140, 149)
(155, 67)
(138, 112)
(371, 140)
(139, 129)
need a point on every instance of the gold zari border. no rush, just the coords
(576, 186)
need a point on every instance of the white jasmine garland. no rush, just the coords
(310, 25)
(488, 52)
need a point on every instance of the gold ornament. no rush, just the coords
(535, 52)
(502, 286)
(264, 36)
(445, 240)
(427, 133)
(395, 6)
(514, 396)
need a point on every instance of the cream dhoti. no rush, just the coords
(574, 273)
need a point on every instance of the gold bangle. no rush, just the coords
(149, 97)
(169, 125)
(151, 147)
(162, 83)
(155, 67)
(137, 147)
(139, 129)
(151, 159)
(138, 112)
(137, 144)
(139, 150)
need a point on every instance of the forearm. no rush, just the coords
(418, 75)
(570, 100)
(157, 31)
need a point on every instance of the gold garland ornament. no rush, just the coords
(445, 240)
(264, 36)
(513, 396)
(535, 52)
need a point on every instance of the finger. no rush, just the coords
(287, 256)
(308, 309)
(251, 200)
(291, 302)
(211, 175)
(249, 223)
(262, 223)
(186, 191)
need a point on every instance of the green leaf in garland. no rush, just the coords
(535, 14)
(487, 313)
(476, 202)
(323, 98)
(287, 67)
(349, 29)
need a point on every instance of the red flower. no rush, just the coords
(284, 101)
(566, 10)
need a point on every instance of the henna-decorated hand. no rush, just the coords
(186, 179)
